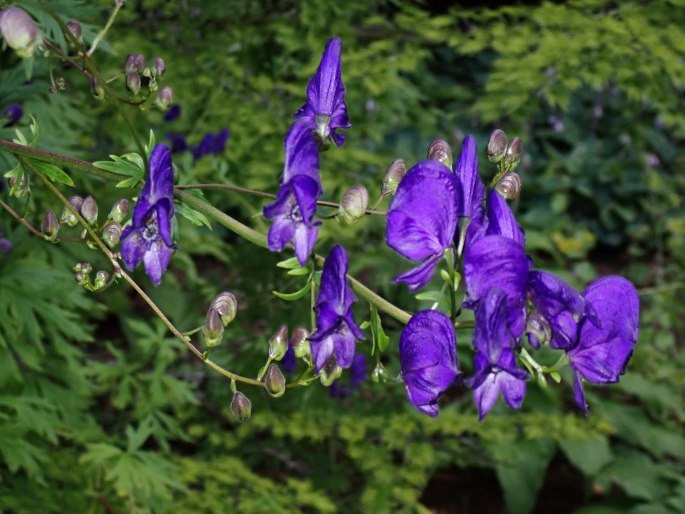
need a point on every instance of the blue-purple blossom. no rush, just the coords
(357, 374)
(428, 359)
(500, 219)
(211, 144)
(604, 347)
(472, 188)
(173, 113)
(289, 362)
(178, 142)
(336, 332)
(422, 219)
(12, 114)
(5, 244)
(292, 213)
(325, 109)
(495, 362)
(148, 237)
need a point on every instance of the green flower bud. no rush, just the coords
(89, 210)
(101, 279)
(379, 374)
(354, 204)
(212, 330)
(440, 151)
(241, 407)
(393, 176)
(497, 146)
(119, 210)
(68, 217)
(81, 278)
(133, 82)
(111, 234)
(513, 154)
(158, 67)
(50, 226)
(274, 381)
(165, 98)
(226, 305)
(83, 267)
(509, 186)
(19, 31)
(278, 344)
(75, 28)
(300, 343)
(134, 62)
(330, 372)
(97, 89)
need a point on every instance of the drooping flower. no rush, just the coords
(336, 333)
(325, 109)
(148, 237)
(12, 114)
(603, 349)
(428, 358)
(293, 211)
(495, 363)
(422, 219)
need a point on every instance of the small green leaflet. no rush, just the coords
(291, 297)
(195, 217)
(434, 296)
(291, 263)
(128, 165)
(52, 172)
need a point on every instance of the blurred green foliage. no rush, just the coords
(101, 410)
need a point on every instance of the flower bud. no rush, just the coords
(300, 343)
(379, 374)
(213, 330)
(89, 210)
(19, 188)
(101, 279)
(20, 31)
(278, 344)
(134, 62)
(157, 68)
(509, 186)
(50, 226)
(111, 234)
(119, 210)
(330, 371)
(97, 89)
(440, 151)
(84, 267)
(81, 278)
(226, 306)
(497, 146)
(513, 154)
(393, 176)
(274, 381)
(241, 407)
(75, 28)
(538, 330)
(354, 204)
(165, 98)
(133, 82)
(68, 217)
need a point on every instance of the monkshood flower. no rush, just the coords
(211, 144)
(178, 142)
(325, 110)
(293, 211)
(472, 188)
(289, 362)
(428, 358)
(173, 113)
(500, 219)
(336, 332)
(422, 219)
(603, 349)
(12, 113)
(148, 237)
(495, 362)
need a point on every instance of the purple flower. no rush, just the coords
(293, 211)
(148, 237)
(500, 219)
(289, 362)
(5, 244)
(12, 113)
(495, 363)
(173, 113)
(211, 144)
(428, 358)
(603, 349)
(325, 109)
(357, 376)
(337, 333)
(422, 219)
(472, 189)
(178, 142)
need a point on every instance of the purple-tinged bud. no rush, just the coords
(213, 329)
(119, 210)
(354, 204)
(393, 177)
(81, 278)
(274, 381)
(330, 372)
(97, 89)
(111, 234)
(226, 305)
(157, 68)
(497, 146)
(133, 82)
(83, 267)
(278, 344)
(50, 226)
(12, 113)
(538, 330)
(101, 279)
(513, 154)
(75, 28)
(68, 217)
(300, 342)
(134, 62)
(165, 98)
(241, 407)
(509, 186)
(20, 31)
(440, 151)
(89, 210)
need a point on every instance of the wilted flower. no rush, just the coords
(12, 113)
(148, 237)
(20, 31)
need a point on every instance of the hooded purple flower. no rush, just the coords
(603, 349)
(472, 188)
(422, 219)
(495, 363)
(500, 219)
(293, 211)
(336, 333)
(325, 109)
(148, 237)
(211, 144)
(173, 113)
(428, 358)
(178, 142)
(12, 113)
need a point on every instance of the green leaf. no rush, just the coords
(289, 263)
(297, 272)
(35, 131)
(291, 297)
(53, 172)
(588, 455)
(130, 165)
(195, 217)
(380, 339)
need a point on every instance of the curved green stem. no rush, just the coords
(103, 32)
